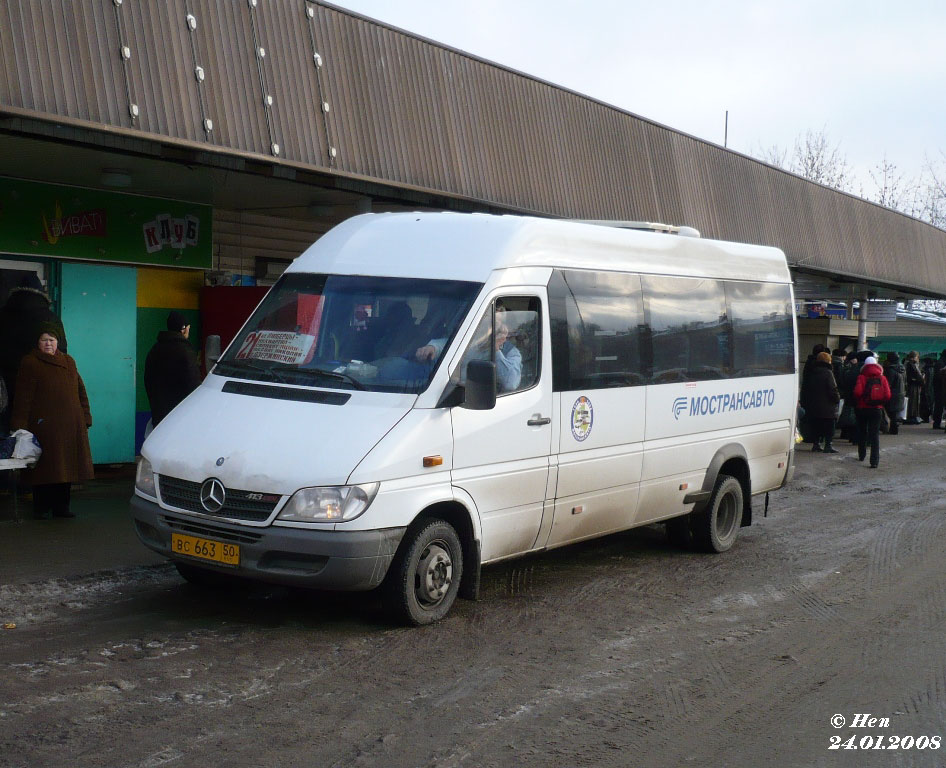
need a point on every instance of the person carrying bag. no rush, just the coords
(871, 395)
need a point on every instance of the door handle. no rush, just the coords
(538, 420)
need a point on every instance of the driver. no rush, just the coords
(508, 357)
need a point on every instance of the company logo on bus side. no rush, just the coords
(726, 403)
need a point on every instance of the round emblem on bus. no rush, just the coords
(212, 495)
(583, 417)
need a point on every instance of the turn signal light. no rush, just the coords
(433, 461)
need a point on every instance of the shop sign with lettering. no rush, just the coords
(53, 220)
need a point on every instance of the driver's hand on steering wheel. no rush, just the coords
(425, 353)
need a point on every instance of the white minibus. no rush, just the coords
(423, 394)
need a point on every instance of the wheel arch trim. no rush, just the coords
(733, 458)
(460, 512)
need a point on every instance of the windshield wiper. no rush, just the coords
(244, 364)
(339, 376)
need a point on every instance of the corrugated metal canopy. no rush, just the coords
(305, 85)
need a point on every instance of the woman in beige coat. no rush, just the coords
(50, 401)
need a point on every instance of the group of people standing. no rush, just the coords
(854, 392)
(42, 392)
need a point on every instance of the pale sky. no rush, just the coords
(870, 73)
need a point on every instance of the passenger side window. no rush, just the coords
(689, 328)
(762, 328)
(597, 330)
(509, 334)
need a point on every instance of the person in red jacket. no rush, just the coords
(871, 393)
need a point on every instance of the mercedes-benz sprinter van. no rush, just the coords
(422, 394)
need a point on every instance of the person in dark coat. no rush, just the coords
(20, 317)
(805, 426)
(914, 387)
(837, 365)
(171, 369)
(823, 399)
(847, 420)
(938, 400)
(927, 364)
(895, 374)
(868, 413)
(939, 385)
(51, 402)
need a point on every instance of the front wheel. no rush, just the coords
(716, 527)
(427, 574)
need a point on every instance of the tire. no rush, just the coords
(426, 574)
(204, 577)
(716, 527)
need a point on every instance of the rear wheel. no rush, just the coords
(427, 574)
(716, 527)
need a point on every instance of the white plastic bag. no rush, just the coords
(27, 446)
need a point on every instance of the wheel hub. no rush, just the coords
(435, 573)
(727, 516)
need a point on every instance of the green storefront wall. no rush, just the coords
(61, 225)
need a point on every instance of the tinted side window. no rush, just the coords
(596, 319)
(762, 328)
(689, 327)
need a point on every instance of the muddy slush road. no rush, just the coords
(619, 652)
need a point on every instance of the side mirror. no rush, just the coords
(211, 351)
(480, 389)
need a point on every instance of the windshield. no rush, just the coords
(350, 332)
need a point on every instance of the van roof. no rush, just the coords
(469, 246)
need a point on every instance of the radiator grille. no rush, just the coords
(185, 494)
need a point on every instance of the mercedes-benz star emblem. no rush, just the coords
(212, 495)
(220, 461)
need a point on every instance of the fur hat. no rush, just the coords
(53, 329)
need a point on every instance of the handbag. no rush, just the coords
(848, 417)
(27, 446)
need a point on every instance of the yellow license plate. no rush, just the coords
(205, 549)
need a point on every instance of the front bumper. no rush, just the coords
(320, 559)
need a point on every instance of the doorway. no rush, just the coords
(98, 310)
(20, 274)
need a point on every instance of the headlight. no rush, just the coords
(144, 478)
(331, 503)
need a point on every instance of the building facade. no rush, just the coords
(149, 148)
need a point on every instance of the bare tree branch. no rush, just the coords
(812, 157)
(816, 159)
